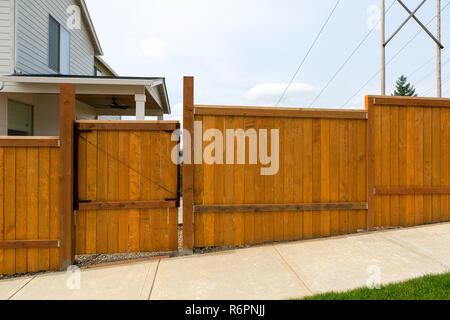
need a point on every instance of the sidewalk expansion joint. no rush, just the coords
(292, 270)
(419, 251)
(21, 288)
(154, 280)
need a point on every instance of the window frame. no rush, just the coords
(60, 28)
(51, 19)
(32, 114)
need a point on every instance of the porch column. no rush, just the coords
(140, 106)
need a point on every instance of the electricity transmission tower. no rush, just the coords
(412, 15)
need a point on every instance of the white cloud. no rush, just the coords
(268, 94)
(152, 47)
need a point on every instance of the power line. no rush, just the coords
(395, 56)
(431, 89)
(429, 74)
(420, 68)
(349, 58)
(309, 51)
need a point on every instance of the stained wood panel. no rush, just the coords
(29, 212)
(321, 161)
(411, 162)
(129, 186)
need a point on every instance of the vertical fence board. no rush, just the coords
(32, 187)
(334, 175)
(317, 179)
(91, 191)
(124, 190)
(44, 206)
(21, 207)
(146, 224)
(325, 175)
(9, 255)
(427, 169)
(102, 191)
(218, 185)
(239, 189)
(55, 262)
(228, 192)
(164, 192)
(80, 221)
(113, 192)
(385, 164)
(278, 223)
(308, 177)
(418, 165)
(249, 181)
(394, 165)
(298, 177)
(134, 187)
(288, 177)
(208, 218)
(436, 163)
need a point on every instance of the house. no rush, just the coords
(45, 43)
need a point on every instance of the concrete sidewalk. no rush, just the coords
(279, 271)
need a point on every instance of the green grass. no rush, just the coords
(426, 288)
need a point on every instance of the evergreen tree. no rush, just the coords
(404, 88)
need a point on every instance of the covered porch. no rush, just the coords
(29, 105)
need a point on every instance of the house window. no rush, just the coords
(20, 119)
(97, 72)
(59, 47)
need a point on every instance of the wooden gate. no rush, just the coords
(126, 188)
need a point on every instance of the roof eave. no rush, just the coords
(91, 28)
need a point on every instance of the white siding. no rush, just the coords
(6, 37)
(32, 38)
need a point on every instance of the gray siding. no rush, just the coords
(32, 19)
(6, 37)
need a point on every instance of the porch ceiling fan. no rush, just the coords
(115, 105)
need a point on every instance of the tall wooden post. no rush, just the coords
(370, 164)
(188, 168)
(383, 47)
(67, 118)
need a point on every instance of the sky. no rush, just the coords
(245, 52)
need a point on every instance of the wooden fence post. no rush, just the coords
(370, 165)
(67, 118)
(188, 168)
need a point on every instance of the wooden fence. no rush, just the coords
(127, 187)
(319, 190)
(340, 171)
(409, 181)
(117, 178)
(29, 205)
